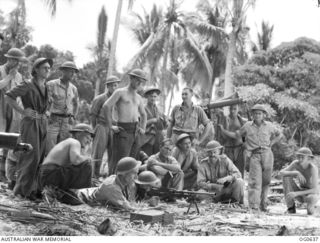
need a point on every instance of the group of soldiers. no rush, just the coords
(145, 150)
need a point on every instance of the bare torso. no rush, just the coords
(233, 125)
(60, 154)
(127, 107)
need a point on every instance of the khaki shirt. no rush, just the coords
(209, 172)
(96, 108)
(187, 161)
(170, 160)
(111, 191)
(188, 119)
(4, 107)
(258, 136)
(62, 99)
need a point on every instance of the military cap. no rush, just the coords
(147, 178)
(305, 151)
(151, 90)
(15, 53)
(127, 164)
(181, 137)
(39, 62)
(69, 65)
(112, 79)
(212, 145)
(138, 73)
(259, 107)
(82, 127)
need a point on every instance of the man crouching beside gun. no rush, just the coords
(300, 181)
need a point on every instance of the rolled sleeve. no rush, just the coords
(203, 118)
(172, 116)
(242, 131)
(18, 91)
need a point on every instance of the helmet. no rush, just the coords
(151, 90)
(181, 137)
(69, 65)
(138, 73)
(112, 79)
(82, 127)
(39, 62)
(212, 145)
(259, 108)
(15, 53)
(127, 164)
(305, 151)
(147, 178)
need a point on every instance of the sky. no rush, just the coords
(74, 27)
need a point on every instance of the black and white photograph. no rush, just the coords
(197, 118)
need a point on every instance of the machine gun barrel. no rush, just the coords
(223, 103)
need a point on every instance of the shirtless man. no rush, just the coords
(305, 187)
(66, 165)
(132, 118)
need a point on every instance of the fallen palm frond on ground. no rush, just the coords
(22, 217)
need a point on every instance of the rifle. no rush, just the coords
(191, 196)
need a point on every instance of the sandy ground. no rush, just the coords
(214, 219)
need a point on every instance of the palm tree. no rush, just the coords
(171, 41)
(115, 35)
(143, 29)
(209, 22)
(238, 11)
(52, 6)
(265, 36)
(101, 44)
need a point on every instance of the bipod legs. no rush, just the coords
(196, 205)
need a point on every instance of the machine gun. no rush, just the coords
(10, 141)
(191, 196)
(223, 103)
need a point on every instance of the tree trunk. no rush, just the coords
(170, 102)
(164, 69)
(96, 92)
(114, 38)
(228, 83)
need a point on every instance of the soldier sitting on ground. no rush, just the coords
(218, 174)
(166, 167)
(306, 187)
(66, 167)
(188, 159)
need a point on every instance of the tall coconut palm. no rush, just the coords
(115, 35)
(171, 40)
(101, 44)
(143, 27)
(210, 23)
(238, 10)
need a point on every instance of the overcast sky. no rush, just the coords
(75, 24)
